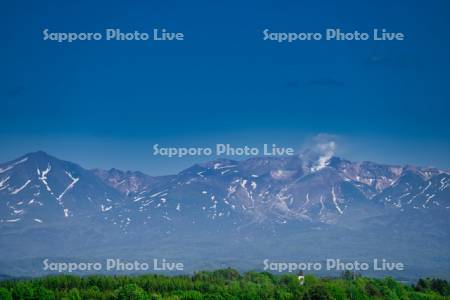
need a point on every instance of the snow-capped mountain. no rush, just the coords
(227, 206)
(284, 189)
(38, 188)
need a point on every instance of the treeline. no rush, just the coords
(220, 284)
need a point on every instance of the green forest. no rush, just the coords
(220, 284)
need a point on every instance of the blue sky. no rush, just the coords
(104, 104)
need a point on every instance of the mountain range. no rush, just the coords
(226, 213)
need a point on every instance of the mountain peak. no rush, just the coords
(39, 155)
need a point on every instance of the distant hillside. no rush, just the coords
(298, 208)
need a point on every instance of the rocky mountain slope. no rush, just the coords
(40, 188)
(51, 207)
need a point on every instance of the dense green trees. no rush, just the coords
(5, 294)
(219, 285)
(439, 286)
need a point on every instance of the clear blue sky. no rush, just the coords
(104, 104)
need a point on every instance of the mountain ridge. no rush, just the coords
(288, 208)
(261, 184)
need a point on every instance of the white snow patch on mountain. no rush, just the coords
(243, 183)
(223, 167)
(428, 200)
(307, 199)
(105, 208)
(13, 220)
(322, 206)
(421, 193)
(43, 176)
(158, 193)
(2, 183)
(335, 201)
(16, 191)
(6, 169)
(13, 165)
(71, 185)
(18, 211)
(445, 182)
